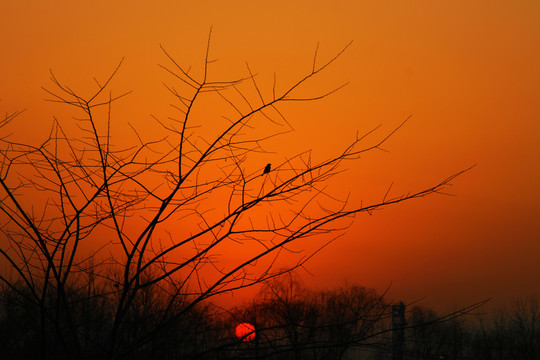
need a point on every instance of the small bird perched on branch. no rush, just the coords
(266, 169)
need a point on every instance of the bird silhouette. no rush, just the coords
(266, 169)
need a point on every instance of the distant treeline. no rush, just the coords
(291, 321)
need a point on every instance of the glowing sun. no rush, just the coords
(245, 332)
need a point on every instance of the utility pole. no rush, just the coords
(398, 331)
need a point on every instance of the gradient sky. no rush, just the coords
(467, 71)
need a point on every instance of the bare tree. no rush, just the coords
(429, 337)
(299, 323)
(511, 333)
(85, 217)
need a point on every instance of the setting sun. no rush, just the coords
(245, 332)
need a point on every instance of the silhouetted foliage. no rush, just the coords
(430, 338)
(304, 324)
(512, 333)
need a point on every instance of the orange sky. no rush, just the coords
(468, 72)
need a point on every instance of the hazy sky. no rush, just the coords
(467, 71)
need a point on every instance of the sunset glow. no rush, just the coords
(467, 72)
